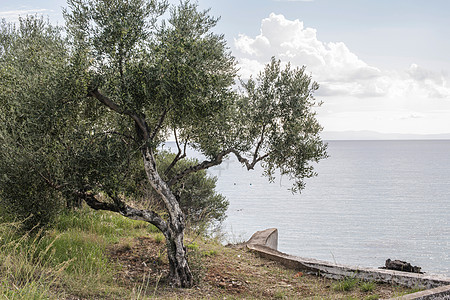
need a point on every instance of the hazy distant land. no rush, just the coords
(373, 135)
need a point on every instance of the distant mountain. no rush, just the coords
(373, 135)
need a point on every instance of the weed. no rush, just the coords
(109, 225)
(142, 289)
(195, 262)
(210, 253)
(192, 246)
(415, 290)
(159, 238)
(372, 297)
(345, 285)
(367, 286)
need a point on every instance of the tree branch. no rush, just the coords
(140, 122)
(161, 121)
(261, 140)
(178, 156)
(125, 210)
(217, 161)
(202, 166)
(249, 165)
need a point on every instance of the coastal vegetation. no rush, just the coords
(91, 254)
(86, 108)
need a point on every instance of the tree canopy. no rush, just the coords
(84, 109)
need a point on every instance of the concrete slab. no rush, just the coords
(265, 244)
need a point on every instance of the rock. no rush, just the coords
(400, 265)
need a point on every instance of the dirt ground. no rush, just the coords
(226, 273)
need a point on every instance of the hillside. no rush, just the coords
(98, 255)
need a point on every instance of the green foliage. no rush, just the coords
(49, 149)
(192, 246)
(73, 255)
(159, 238)
(32, 60)
(278, 106)
(85, 108)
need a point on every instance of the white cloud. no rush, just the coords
(435, 83)
(13, 15)
(339, 71)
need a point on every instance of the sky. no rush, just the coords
(382, 65)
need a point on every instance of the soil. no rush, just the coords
(225, 273)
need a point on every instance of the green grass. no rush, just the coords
(25, 273)
(367, 286)
(346, 285)
(70, 254)
(73, 259)
(110, 226)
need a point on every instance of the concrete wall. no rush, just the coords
(265, 244)
(441, 293)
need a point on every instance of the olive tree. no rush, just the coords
(127, 79)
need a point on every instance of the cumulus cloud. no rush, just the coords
(434, 82)
(338, 70)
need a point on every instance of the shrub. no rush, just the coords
(24, 197)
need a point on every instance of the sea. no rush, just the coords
(371, 200)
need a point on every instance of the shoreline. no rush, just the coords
(265, 243)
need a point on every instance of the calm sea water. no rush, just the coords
(372, 200)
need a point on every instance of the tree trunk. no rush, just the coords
(180, 272)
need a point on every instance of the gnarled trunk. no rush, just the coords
(180, 272)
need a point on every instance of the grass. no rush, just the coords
(346, 285)
(100, 255)
(367, 286)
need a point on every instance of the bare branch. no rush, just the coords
(261, 140)
(125, 210)
(202, 166)
(248, 164)
(180, 155)
(217, 161)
